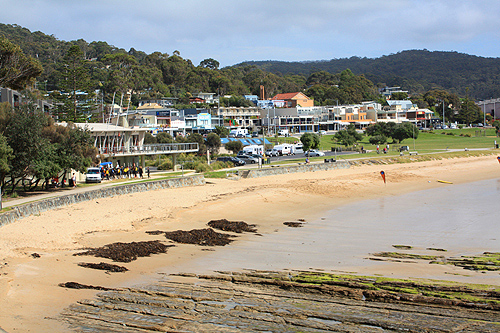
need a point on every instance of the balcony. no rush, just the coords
(167, 148)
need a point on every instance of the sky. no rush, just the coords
(233, 31)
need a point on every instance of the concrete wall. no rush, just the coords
(279, 170)
(37, 207)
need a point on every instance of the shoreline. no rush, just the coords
(32, 299)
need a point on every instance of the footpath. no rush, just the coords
(67, 190)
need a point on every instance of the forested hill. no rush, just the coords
(158, 74)
(415, 70)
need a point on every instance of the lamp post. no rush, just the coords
(443, 114)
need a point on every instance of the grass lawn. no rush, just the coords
(433, 141)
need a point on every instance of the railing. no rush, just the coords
(151, 149)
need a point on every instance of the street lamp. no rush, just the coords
(443, 114)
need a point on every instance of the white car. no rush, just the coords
(315, 152)
(271, 152)
(93, 175)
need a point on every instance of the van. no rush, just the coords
(283, 132)
(238, 133)
(93, 175)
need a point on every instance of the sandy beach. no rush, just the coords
(32, 299)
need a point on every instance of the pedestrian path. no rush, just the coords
(69, 190)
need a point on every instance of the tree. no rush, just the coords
(347, 137)
(399, 95)
(469, 112)
(221, 131)
(23, 132)
(210, 64)
(149, 139)
(405, 131)
(198, 138)
(164, 137)
(76, 78)
(213, 143)
(234, 146)
(73, 149)
(5, 158)
(310, 141)
(16, 69)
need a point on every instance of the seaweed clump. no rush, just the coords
(126, 252)
(233, 226)
(205, 237)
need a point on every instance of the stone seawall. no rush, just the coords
(37, 207)
(279, 170)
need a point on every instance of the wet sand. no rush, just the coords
(32, 300)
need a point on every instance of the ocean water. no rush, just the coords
(462, 219)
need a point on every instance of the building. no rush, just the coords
(232, 116)
(361, 115)
(15, 98)
(125, 146)
(489, 106)
(388, 91)
(295, 120)
(292, 100)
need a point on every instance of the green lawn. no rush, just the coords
(434, 141)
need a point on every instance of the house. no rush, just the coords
(207, 97)
(295, 99)
(196, 100)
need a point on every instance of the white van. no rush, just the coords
(238, 133)
(283, 132)
(93, 175)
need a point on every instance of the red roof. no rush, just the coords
(286, 96)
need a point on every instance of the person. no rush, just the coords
(73, 179)
(147, 170)
(378, 151)
(140, 171)
(307, 160)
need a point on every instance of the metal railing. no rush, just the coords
(166, 148)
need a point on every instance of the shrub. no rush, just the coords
(166, 165)
(220, 165)
(378, 139)
(201, 167)
(449, 133)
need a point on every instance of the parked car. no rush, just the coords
(271, 152)
(248, 159)
(93, 175)
(404, 148)
(255, 134)
(314, 152)
(235, 160)
(322, 132)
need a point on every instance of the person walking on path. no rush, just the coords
(147, 170)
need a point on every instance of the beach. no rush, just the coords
(32, 299)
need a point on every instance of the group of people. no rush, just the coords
(116, 172)
(385, 150)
